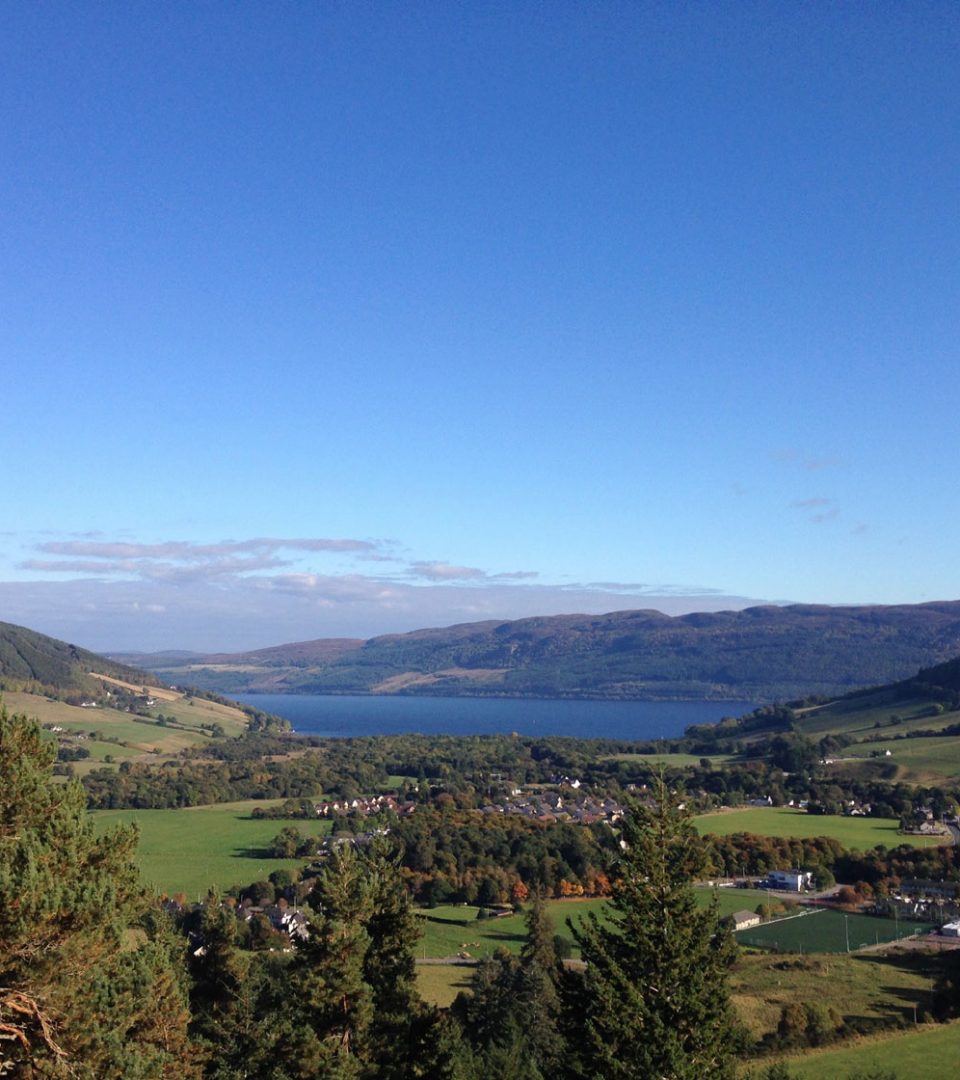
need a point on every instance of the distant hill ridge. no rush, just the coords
(760, 654)
(34, 662)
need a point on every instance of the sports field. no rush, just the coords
(191, 849)
(818, 930)
(855, 833)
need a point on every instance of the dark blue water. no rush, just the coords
(342, 716)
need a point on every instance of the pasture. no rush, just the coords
(855, 833)
(450, 929)
(189, 850)
(119, 734)
(819, 930)
(920, 760)
(863, 716)
(453, 928)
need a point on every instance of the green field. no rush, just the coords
(928, 1052)
(920, 760)
(679, 761)
(855, 833)
(859, 716)
(440, 983)
(818, 930)
(453, 928)
(139, 736)
(450, 929)
(188, 850)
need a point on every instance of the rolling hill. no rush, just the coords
(33, 662)
(101, 711)
(760, 654)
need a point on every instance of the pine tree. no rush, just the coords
(335, 1002)
(78, 995)
(538, 999)
(654, 998)
(353, 984)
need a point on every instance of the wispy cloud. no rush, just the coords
(117, 593)
(187, 551)
(441, 571)
(825, 510)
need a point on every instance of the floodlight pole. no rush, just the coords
(846, 931)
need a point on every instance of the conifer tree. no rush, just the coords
(538, 999)
(654, 1000)
(335, 1002)
(77, 997)
(353, 984)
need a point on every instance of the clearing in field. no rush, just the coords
(855, 833)
(189, 850)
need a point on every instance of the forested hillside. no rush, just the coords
(760, 654)
(35, 662)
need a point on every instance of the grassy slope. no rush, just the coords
(188, 850)
(135, 736)
(919, 761)
(871, 988)
(859, 834)
(928, 1052)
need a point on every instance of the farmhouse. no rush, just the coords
(744, 919)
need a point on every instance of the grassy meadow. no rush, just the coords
(191, 849)
(856, 833)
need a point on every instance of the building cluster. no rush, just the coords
(553, 806)
(364, 805)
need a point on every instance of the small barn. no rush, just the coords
(742, 920)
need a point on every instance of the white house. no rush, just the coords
(789, 880)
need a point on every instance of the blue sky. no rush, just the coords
(334, 319)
